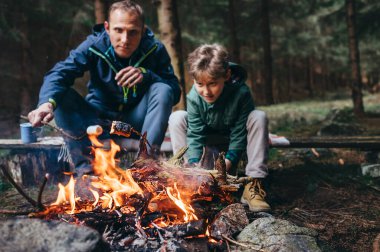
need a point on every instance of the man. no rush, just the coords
(131, 80)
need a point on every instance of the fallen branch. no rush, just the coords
(241, 244)
(18, 188)
(39, 199)
(14, 212)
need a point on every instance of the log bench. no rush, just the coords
(28, 163)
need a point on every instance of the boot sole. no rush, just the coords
(254, 209)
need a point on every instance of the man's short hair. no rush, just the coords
(128, 6)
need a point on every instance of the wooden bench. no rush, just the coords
(28, 163)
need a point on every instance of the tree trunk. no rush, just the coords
(100, 11)
(266, 33)
(234, 42)
(310, 77)
(170, 35)
(356, 85)
(26, 103)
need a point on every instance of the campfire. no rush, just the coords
(151, 203)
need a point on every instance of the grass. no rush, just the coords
(305, 115)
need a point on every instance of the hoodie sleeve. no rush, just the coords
(63, 74)
(238, 135)
(196, 136)
(164, 72)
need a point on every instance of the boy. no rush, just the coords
(220, 109)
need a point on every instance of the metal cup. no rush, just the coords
(28, 133)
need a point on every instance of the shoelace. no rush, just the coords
(256, 188)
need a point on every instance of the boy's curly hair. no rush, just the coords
(211, 59)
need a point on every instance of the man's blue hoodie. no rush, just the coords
(96, 55)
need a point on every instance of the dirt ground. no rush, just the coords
(334, 199)
(327, 192)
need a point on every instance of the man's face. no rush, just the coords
(125, 30)
(208, 88)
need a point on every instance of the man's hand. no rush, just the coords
(129, 76)
(42, 115)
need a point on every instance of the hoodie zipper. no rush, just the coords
(114, 68)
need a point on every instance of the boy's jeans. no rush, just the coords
(257, 140)
(74, 114)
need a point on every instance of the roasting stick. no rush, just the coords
(57, 129)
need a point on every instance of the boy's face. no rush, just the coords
(208, 88)
(125, 30)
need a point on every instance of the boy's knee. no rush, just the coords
(178, 118)
(257, 117)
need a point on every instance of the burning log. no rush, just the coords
(192, 228)
(220, 166)
(229, 221)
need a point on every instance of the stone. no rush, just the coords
(41, 235)
(229, 221)
(271, 234)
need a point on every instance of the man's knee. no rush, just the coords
(162, 94)
(178, 119)
(257, 117)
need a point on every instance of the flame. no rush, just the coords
(66, 194)
(112, 187)
(186, 208)
(115, 184)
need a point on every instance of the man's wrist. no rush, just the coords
(53, 103)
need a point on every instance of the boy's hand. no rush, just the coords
(129, 76)
(191, 165)
(228, 164)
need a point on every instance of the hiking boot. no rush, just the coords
(254, 195)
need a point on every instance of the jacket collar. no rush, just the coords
(103, 42)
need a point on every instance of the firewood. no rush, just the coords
(39, 199)
(192, 228)
(220, 166)
(176, 159)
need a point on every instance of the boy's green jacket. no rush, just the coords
(226, 117)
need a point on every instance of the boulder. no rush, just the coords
(41, 235)
(271, 234)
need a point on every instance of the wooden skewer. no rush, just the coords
(57, 129)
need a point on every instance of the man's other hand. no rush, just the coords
(42, 115)
(129, 76)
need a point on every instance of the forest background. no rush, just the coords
(292, 50)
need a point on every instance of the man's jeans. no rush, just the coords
(74, 114)
(257, 140)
